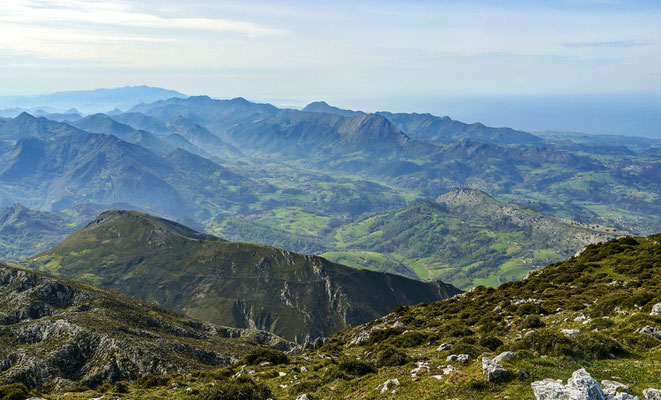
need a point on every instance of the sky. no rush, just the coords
(352, 53)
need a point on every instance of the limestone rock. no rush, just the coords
(656, 309)
(652, 394)
(444, 347)
(571, 333)
(581, 386)
(460, 358)
(385, 386)
(493, 369)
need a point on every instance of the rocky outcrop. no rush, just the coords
(493, 369)
(57, 334)
(581, 386)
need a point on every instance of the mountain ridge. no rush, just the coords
(238, 284)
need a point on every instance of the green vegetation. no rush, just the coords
(465, 238)
(607, 293)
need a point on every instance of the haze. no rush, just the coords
(403, 56)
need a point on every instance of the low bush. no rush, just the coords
(532, 322)
(391, 357)
(150, 381)
(409, 339)
(235, 389)
(121, 387)
(356, 367)
(14, 391)
(490, 342)
(263, 354)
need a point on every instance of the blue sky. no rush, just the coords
(292, 52)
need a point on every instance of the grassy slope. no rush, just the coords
(485, 322)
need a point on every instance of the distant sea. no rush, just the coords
(612, 114)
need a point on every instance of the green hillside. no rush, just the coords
(230, 283)
(465, 237)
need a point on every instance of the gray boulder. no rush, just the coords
(493, 369)
(581, 386)
(571, 333)
(460, 358)
(656, 309)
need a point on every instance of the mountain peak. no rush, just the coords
(143, 225)
(25, 116)
(323, 107)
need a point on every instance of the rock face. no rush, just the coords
(581, 386)
(652, 394)
(55, 333)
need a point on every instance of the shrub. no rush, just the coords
(150, 381)
(263, 354)
(356, 367)
(106, 387)
(548, 342)
(14, 391)
(530, 309)
(379, 335)
(459, 331)
(532, 322)
(391, 357)
(409, 339)
(235, 389)
(121, 387)
(491, 343)
(597, 346)
(601, 323)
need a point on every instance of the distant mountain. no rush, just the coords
(441, 130)
(438, 130)
(91, 101)
(238, 284)
(465, 237)
(323, 107)
(25, 232)
(57, 333)
(612, 142)
(54, 165)
(27, 126)
(291, 133)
